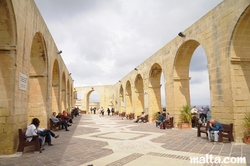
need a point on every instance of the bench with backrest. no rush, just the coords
(144, 119)
(23, 143)
(123, 114)
(127, 116)
(227, 133)
(169, 124)
(201, 128)
(53, 126)
(132, 116)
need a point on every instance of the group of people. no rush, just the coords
(93, 109)
(199, 114)
(109, 111)
(64, 119)
(162, 118)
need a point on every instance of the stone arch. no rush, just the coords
(139, 95)
(63, 92)
(38, 80)
(154, 89)
(128, 97)
(7, 80)
(88, 97)
(240, 65)
(55, 94)
(8, 25)
(181, 72)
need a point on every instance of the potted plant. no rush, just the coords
(185, 117)
(155, 116)
(246, 126)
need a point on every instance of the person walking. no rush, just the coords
(108, 111)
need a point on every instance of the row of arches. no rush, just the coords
(34, 81)
(61, 85)
(226, 46)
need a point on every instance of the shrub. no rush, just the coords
(185, 115)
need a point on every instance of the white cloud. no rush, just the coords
(114, 36)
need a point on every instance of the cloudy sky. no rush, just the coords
(103, 40)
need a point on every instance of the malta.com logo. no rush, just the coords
(210, 159)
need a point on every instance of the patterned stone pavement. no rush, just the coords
(111, 141)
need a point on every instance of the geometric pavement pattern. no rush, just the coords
(113, 141)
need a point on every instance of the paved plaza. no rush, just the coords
(113, 141)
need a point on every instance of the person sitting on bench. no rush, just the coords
(214, 127)
(141, 117)
(33, 130)
(160, 119)
(56, 120)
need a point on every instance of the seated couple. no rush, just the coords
(34, 130)
(163, 117)
(56, 120)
